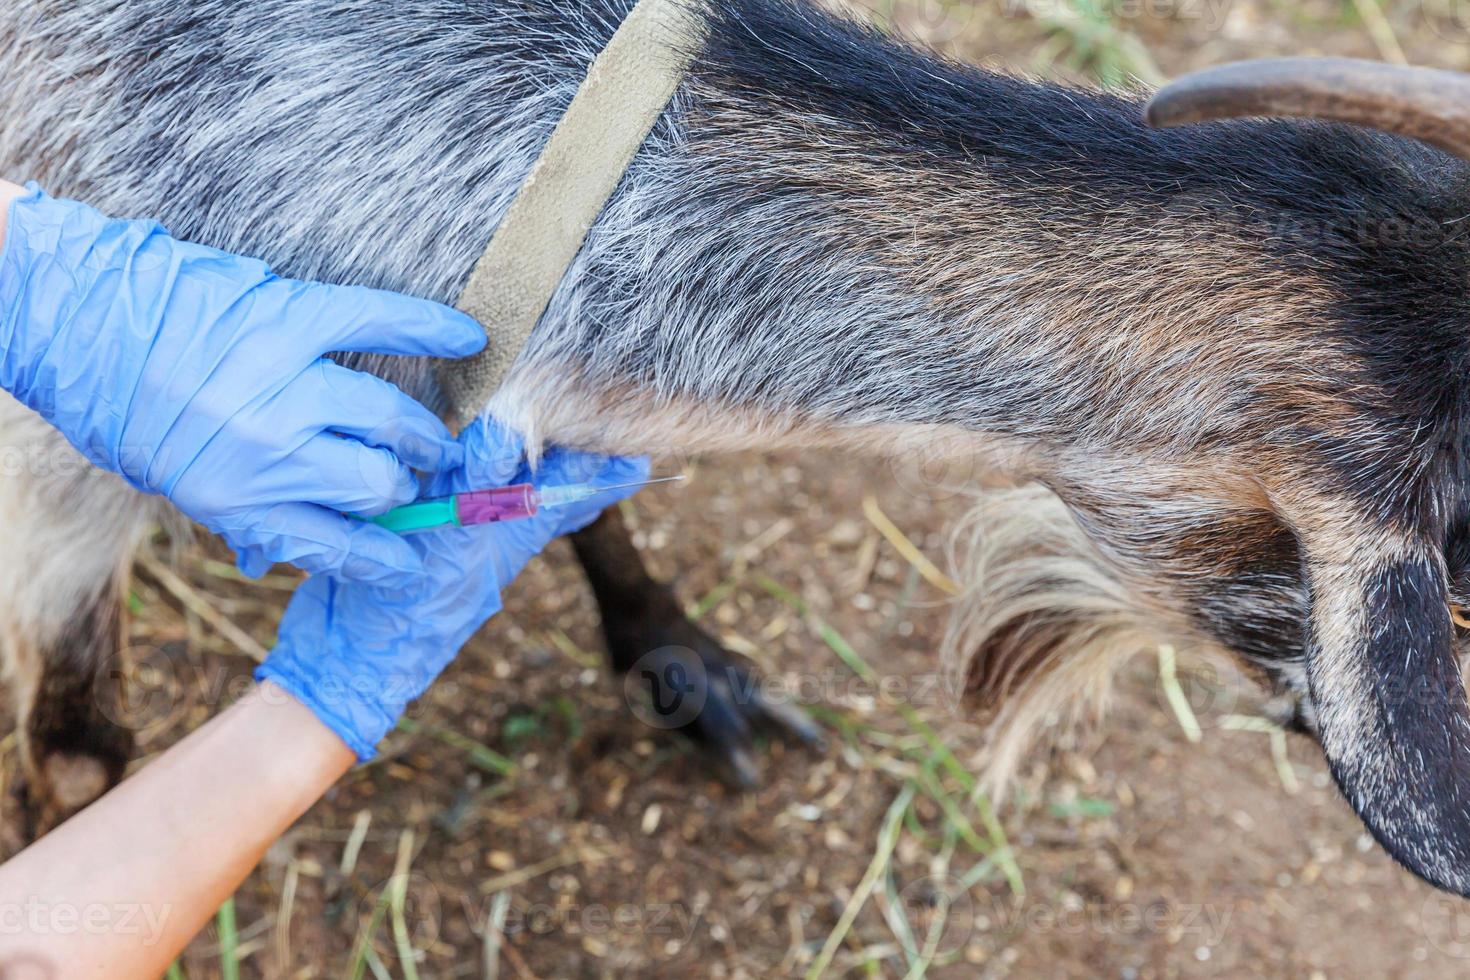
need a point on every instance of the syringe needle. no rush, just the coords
(641, 483)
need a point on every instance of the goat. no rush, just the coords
(1227, 398)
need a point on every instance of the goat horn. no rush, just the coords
(1423, 103)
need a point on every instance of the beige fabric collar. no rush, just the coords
(626, 89)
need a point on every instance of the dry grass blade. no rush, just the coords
(907, 548)
(398, 890)
(201, 607)
(1277, 735)
(1381, 31)
(224, 570)
(495, 934)
(480, 754)
(520, 876)
(700, 608)
(360, 825)
(1174, 692)
(952, 813)
(375, 963)
(920, 960)
(893, 914)
(838, 644)
(887, 841)
(283, 917)
(752, 549)
(931, 946)
(576, 654)
(363, 948)
(919, 968)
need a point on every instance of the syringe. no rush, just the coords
(512, 503)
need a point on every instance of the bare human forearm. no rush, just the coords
(119, 889)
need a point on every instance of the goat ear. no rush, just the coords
(1390, 701)
(1423, 103)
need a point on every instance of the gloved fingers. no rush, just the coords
(377, 414)
(493, 456)
(348, 476)
(320, 542)
(251, 560)
(373, 321)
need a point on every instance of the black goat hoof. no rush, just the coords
(688, 683)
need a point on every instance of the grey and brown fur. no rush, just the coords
(1222, 369)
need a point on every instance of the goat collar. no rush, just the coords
(626, 89)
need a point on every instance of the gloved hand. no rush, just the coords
(356, 653)
(199, 375)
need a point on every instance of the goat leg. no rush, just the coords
(67, 533)
(682, 678)
(72, 748)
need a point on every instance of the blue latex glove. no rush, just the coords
(200, 375)
(357, 653)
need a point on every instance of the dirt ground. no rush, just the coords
(537, 828)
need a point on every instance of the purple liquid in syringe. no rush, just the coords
(500, 504)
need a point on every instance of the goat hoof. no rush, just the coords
(691, 685)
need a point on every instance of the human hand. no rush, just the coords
(200, 375)
(356, 653)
